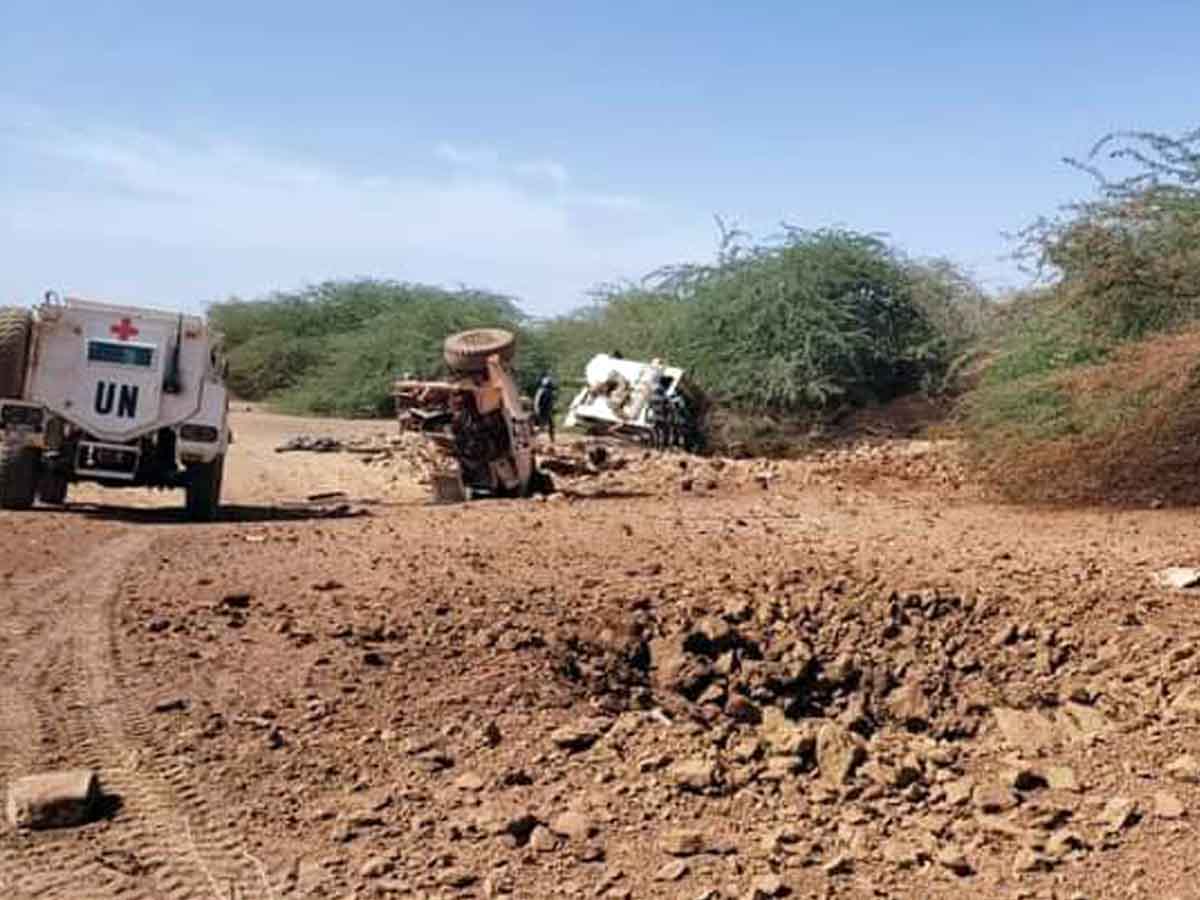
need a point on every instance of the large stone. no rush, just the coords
(1168, 806)
(1119, 813)
(1179, 578)
(1062, 778)
(1024, 730)
(994, 798)
(53, 799)
(785, 737)
(695, 774)
(909, 705)
(839, 753)
(683, 842)
(574, 825)
(1186, 768)
(580, 735)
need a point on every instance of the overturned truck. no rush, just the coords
(476, 418)
(618, 400)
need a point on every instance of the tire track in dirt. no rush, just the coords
(63, 706)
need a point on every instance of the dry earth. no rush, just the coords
(844, 677)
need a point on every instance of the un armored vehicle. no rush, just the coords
(116, 395)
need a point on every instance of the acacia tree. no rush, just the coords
(1130, 257)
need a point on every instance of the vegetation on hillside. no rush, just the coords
(335, 348)
(1061, 399)
(795, 327)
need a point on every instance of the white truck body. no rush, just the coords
(598, 408)
(119, 395)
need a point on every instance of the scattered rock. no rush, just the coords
(1028, 860)
(1120, 813)
(839, 865)
(672, 871)
(901, 853)
(171, 704)
(53, 800)
(236, 601)
(376, 867)
(573, 825)
(683, 842)
(766, 887)
(1186, 768)
(695, 774)
(1062, 778)
(469, 781)
(785, 737)
(994, 798)
(1179, 578)
(543, 840)
(952, 857)
(1168, 806)
(909, 705)
(839, 753)
(457, 878)
(1024, 730)
(1023, 779)
(959, 791)
(579, 736)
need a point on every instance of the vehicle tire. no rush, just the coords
(467, 352)
(540, 483)
(52, 489)
(204, 489)
(18, 474)
(15, 324)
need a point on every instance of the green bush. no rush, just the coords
(335, 348)
(1122, 267)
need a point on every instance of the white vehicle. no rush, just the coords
(616, 397)
(116, 395)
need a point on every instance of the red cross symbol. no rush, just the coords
(124, 330)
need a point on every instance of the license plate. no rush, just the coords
(106, 459)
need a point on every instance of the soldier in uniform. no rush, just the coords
(543, 404)
(660, 413)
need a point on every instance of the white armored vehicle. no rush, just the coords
(616, 397)
(116, 395)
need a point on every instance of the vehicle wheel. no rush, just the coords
(204, 489)
(52, 489)
(18, 473)
(467, 352)
(540, 483)
(15, 324)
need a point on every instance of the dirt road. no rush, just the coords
(681, 678)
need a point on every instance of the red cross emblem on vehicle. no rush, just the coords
(124, 330)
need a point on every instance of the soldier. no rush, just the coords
(543, 404)
(660, 413)
(681, 422)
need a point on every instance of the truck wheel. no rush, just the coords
(204, 489)
(540, 483)
(52, 489)
(15, 324)
(18, 473)
(467, 352)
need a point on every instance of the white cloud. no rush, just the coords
(545, 169)
(123, 212)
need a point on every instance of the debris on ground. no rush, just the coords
(53, 799)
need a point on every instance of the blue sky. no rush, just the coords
(178, 154)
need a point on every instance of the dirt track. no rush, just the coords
(849, 675)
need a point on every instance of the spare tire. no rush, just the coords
(468, 351)
(15, 324)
